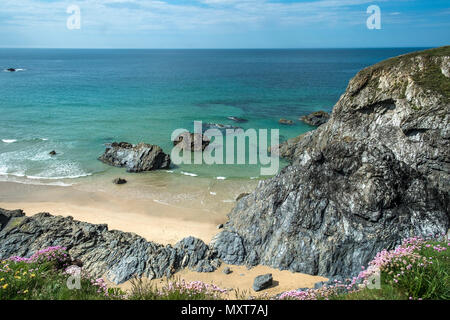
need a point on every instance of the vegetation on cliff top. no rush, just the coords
(431, 78)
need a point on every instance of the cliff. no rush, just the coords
(376, 172)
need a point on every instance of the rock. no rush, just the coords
(221, 127)
(316, 118)
(226, 270)
(119, 181)
(286, 122)
(52, 153)
(262, 282)
(119, 255)
(192, 141)
(237, 119)
(376, 173)
(136, 158)
(338, 210)
(402, 103)
(11, 69)
(220, 226)
(242, 195)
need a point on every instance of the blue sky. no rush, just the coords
(224, 24)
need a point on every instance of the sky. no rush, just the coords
(222, 23)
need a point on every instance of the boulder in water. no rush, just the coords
(136, 158)
(316, 118)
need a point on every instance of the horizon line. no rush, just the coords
(259, 48)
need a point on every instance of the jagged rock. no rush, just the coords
(119, 255)
(192, 141)
(403, 103)
(333, 213)
(226, 270)
(377, 172)
(136, 158)
(11, 69)
(262, 282)
(119, 181)
(316, 118)
(220, 226)
(52, 153)
(286, 121)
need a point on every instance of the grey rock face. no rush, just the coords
(402, 103)
(316, 118)
(136, 158)
(262, 282)
(118, 255)
(333, 213)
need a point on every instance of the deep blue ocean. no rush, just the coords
(75, 101)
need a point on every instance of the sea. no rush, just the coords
(76, 101)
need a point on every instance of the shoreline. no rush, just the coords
(153, 220)
(139, 216)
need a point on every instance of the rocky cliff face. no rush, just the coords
(376, 172)
(118, 255)
(404, 104)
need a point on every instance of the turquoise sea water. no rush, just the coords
(75, 101)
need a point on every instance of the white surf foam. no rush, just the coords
(9, 140)
(221, 178)
(189, 174)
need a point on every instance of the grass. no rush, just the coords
(430, 79)
(418, 269)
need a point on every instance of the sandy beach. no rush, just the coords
(156, 221)
(239, 282)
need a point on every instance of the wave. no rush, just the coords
(38, 182)
(82, 175)
(9, 140)
(15, 70)
(189, 174)
(221, 178)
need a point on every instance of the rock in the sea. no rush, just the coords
(119, 255)
(316, 118)
(119, 181)
(192, 141)
(262, 282)
(136, 158)
(52, 153)
(376, 173)
(286, 122)
(221, 127)
(11, 69)
(237, 119)
(403, 104)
